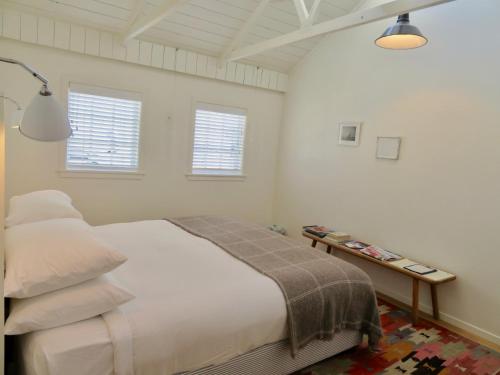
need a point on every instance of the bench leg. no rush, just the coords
(329, 249)
(435, 306)
(414, 311)
(314, 243)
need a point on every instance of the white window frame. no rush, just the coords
(95, 89)
(213, 176)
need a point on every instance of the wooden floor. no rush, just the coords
(459, 331)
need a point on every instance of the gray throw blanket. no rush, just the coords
(323, 294)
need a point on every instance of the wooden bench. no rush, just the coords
(433, 279)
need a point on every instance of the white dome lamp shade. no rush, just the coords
(44, 119)
(402, 35)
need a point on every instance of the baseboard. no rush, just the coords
(447, 318)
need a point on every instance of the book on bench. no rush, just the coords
(420, 269)
(318, 230)
(322, 232)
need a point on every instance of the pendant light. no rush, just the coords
(402, 35)
(44, 118)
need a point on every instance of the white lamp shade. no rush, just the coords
(45, 120)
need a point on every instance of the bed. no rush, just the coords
(198, 310)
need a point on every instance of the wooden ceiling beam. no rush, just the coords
(140, 25)
(302, 11)
(361, 17)
(137, 11)
(243, 31)
(313, 13)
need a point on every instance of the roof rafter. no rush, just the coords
(390, 9)
(137, 10)
(302, 11)
(139, 25)
(313, 13)
(237, 39)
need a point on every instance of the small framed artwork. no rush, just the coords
(349, 133)
(388, 147)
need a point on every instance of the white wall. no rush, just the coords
(438, 204)
(166, 144)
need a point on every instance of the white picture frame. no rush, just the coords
(349, 133)
(388, 147)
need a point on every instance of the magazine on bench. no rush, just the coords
(381, 254)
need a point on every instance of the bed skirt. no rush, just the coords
(275, 358)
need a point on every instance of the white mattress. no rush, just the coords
(195, 306)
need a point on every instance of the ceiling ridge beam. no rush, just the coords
(362, 17)
(140, 25)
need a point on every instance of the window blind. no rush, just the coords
(219, 137)
(106, 126)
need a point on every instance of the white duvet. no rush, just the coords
(195, 306)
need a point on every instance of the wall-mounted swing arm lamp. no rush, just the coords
(44, 118)
(17, 116)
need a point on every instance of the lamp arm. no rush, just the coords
(26, 67)
(44, 118)
(12, 101)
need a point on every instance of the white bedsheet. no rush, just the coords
(82, 348)
(195, 304)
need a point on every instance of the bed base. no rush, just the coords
(275, 359)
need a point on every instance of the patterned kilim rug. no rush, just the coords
(424, 349)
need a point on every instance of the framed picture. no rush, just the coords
(349, 133)
(388, 147)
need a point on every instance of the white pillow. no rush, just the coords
(48, 255)
(40, 205)
(64, 306)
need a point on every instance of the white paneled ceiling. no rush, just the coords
(203, 26)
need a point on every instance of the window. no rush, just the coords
(219, 138)
(106, 125)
